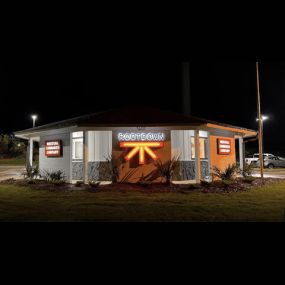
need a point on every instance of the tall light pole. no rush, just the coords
(260, 124)
(34, 118)
(186, 90)
(263, 118)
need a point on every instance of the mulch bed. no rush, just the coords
(237, 185)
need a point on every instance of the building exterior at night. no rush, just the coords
(135, 138)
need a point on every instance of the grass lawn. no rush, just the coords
(13, 161)
(23, 204)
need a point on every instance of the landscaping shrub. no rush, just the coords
(248, 170)
(165, 170)
(8, 181)
(228, 182)
(227, 174)
(143, 181)
(31, 172)
(249, 179)
(113, 168)
(94, 184)
(79, 183)
(205, 183)
(194, 186)
(58, 183)
(56, 177)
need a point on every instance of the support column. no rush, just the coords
(31, 151)
(209, 155)
(70, 157)
(197, 157)
(241, 154)
(85, 157)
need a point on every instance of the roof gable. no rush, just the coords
(129, 116)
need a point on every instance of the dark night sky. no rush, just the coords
(222, 89)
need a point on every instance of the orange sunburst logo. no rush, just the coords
(142, 148)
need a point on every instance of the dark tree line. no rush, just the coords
(11, 147)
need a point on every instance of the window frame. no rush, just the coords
(193, 153)
(77, 139)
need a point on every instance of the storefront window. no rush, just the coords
(99, 145)
(180, 144)
(203, 148)
(181, 141)
(77, 146)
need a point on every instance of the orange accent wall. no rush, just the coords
(131, 171)
(220, 160)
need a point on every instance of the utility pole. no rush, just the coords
(186, 96)
(260, 123)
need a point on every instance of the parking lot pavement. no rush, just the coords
(272, 173)
(8, 172)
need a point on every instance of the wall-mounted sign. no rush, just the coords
(224, 146)
(142, 148)
(141, 136)
(53, 148)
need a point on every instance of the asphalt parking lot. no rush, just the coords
(8, 172)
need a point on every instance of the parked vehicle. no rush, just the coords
(254, 158)
(273, 162)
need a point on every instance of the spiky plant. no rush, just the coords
(31, 172)
(113, 168)
(166, 169)
(227, 174)
(247, 170)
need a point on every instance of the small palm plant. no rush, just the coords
(247, 170)
(113, 168)
(165, 170)
(56, 177)
(227, 174)
(31, 172)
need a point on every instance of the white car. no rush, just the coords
(273, 162)
(255, 158)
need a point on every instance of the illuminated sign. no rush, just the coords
(141, 148)
(224, 146)
(141, 136)
(53, 148)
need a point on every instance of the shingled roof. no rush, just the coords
(128, 116)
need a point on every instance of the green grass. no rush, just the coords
(13, 161)
(23, 204)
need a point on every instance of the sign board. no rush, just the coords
(141, 143)
(141, 148)
(140, 136)
(224, 146)
(53, 148)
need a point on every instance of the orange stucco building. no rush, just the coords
(133, 140)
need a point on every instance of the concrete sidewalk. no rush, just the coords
(271, 173)
(8, 172)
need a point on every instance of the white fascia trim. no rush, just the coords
(45, 132)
